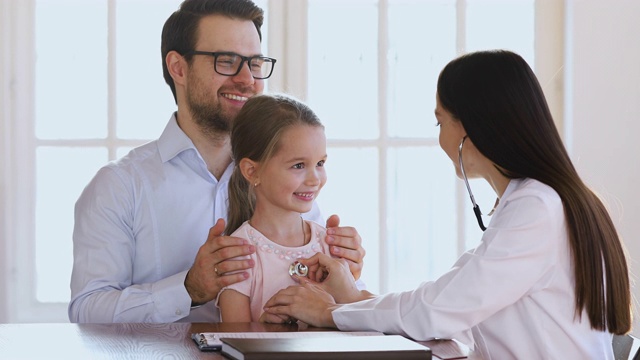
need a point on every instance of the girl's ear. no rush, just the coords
(249, 170)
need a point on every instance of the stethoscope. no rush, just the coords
(298, 268)
(476, 208)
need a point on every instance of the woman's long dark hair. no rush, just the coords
(500, 103)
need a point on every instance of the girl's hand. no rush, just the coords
(276, 319)
(345, 243)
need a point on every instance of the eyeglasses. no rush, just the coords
(230, 64)
(476, 208)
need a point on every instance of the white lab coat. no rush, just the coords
(514, 293)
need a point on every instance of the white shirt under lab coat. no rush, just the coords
(138, 226)
(514, 292)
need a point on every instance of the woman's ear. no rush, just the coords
(249, 170)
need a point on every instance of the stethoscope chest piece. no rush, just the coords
(297, 268)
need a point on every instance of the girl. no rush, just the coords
(549, 279)
(280, 149)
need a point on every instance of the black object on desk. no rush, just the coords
(320, 348)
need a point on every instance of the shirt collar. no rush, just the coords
(173, 141)
(511, 187)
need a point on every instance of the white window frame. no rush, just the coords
(18, 143)
(18, 153)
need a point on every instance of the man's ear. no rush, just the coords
(249, 170)
(176, 65)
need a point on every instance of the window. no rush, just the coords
(89, 88)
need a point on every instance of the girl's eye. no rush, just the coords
(298, 166)
(321, 163)
(437, 123)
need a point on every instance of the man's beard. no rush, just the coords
(210, 118)
(206, 112)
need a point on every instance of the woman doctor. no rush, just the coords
(549, 279)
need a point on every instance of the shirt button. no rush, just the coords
(178, 312)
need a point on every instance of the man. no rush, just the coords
(141, 222)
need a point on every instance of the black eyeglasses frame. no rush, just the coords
(244, 59)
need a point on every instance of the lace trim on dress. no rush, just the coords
(267, 246)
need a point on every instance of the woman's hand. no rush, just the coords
(307, 303)
(333, 276)
(312, 302)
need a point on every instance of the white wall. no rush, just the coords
(603, 105)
